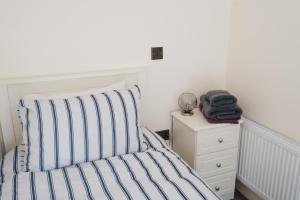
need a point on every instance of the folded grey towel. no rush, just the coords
(229, 111)
(220, 98)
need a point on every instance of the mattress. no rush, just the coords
(157, 173)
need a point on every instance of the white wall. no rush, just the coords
(60, 36)
(264, 63)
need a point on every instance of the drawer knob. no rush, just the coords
(217, 188)
(219, 165)
(220, 140)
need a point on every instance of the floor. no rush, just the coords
(239, 196)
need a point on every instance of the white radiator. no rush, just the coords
(269, 164)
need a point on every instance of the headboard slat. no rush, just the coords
(9, 140)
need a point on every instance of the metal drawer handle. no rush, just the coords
(220, 140)
(217, 188)
(219, 165)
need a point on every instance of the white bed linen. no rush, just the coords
(157, 173)
(63, 132)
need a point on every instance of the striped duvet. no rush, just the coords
(157, 173)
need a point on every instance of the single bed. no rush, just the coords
(156, 172)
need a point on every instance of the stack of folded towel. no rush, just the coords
(219, 106)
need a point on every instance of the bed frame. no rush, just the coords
(12, 89)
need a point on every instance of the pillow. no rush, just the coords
(63, 132)
(115, 86)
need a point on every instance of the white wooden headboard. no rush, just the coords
(12, 89)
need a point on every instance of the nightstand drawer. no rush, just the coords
(217, 139)
(216, 163)
(222, 184)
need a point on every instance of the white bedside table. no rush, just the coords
(211, 149)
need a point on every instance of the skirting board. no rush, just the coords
(244, 190)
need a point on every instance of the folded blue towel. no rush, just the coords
(227, 111)
(220, 98)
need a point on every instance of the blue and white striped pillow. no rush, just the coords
(63, 132)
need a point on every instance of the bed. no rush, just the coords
(157, 173)
(154, 172)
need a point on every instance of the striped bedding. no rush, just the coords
(157, 173)
(63, 132)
